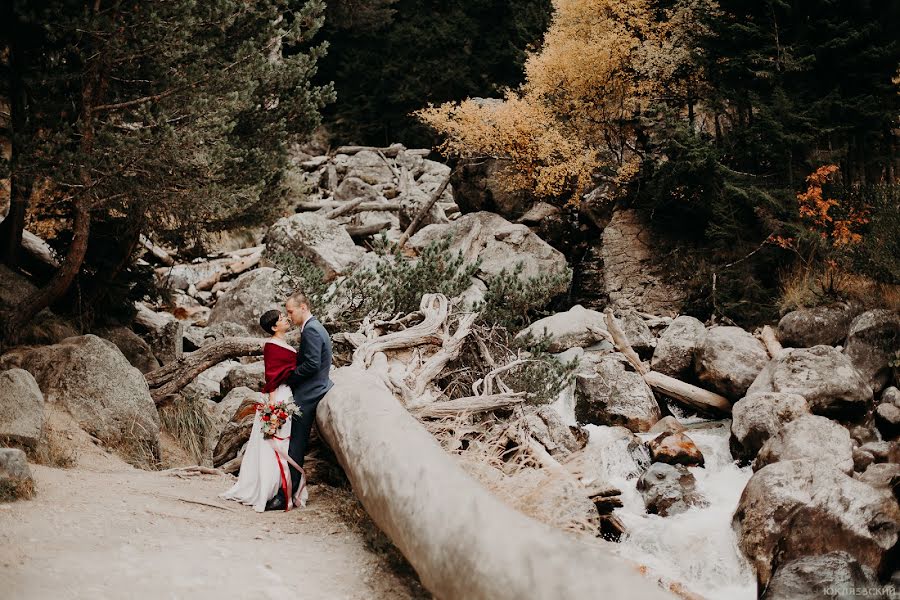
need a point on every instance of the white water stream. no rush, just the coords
(696, 548)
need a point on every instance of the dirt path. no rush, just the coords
(106, 530)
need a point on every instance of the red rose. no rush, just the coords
(265, 417)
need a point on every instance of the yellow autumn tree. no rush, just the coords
(575, 114)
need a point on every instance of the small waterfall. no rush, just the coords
(697, 548)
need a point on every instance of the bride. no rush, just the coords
(264, 468)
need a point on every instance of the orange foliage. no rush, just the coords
(817, 210)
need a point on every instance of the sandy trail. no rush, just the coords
(107, 530)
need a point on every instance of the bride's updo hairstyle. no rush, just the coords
(268, 319)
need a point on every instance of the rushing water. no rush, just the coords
(697, 548)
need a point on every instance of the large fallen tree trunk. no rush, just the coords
(462, 541)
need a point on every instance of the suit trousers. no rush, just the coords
(300, 430)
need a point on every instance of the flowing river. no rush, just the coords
(697, 548)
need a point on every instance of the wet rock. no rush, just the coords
(675, 449)
(251, 376)
(677, 345)
(668, 489)
(133, 347)
(757, 417)
(108, 397)
(252, 294)
(887, 418)
(22, 413)
(612, 395)
(323, 242)
(15, 475)
(822, 325)
(798, 508)
(728, 361)
(833, 575)
(872, 342)
(667, 424)
(576, 327)
(832, 386)
(809, 436)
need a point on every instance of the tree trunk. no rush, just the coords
(20, 185)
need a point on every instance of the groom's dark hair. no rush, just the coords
(298, 298)
(268, 319)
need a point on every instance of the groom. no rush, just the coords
(309, 381)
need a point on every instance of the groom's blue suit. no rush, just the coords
(309, 382)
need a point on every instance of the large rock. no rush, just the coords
(677, 345)
(15, 475)
(822, 325)
(133, 347)
(163, 332)
(252, 376)
(22, 414)
(499, 244)
(369, 167)
(887, 418)
(631, 272)
(675, 448)
(478, 187)
(412, 203)
(101, 390)
(668, 489)
(323, 242)
(798, 508)
(882, 475)
(834, 575)
(252, 294)
(352, 188)
(809, 436)
(832, 386)
(611, 395)
(45, 327)
(757, 417)
(637, 332)
(873, 341)
(729, 359)
(233, 432)
(576, 327)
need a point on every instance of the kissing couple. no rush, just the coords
(271, 475)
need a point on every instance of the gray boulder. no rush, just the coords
(887, 419)
(323, 242)
(576, 327)
(729, 359)
(667, 424)
(798, 508)
(891, 395)
(251, 376)
(832, 386)
(478, 186)
(162, 331)
(822, 325)
(183, 276)
(677, 345)
(638, 333)
(757, 417)
(369, 167)
(22, 413)
(834, 575)
(101, 390)
(611, 395)
(499, 244)
(15, 475)
(812, 437)
(412, 203)
(133, 347)
(352, 188)
(872, 342)
(252, 294)
(882, 475)
(668, 489)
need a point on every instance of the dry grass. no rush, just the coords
(16, 489)
(187, 420)
(804, 287)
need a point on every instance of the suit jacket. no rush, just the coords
(309, 381)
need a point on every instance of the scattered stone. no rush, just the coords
(668, 489)
(675, 449)
(676, 347)
(576, 327)
(369, 167)
(729, 359)
(162, 331)
(323, 242)
(133, 347)
(183, 276)
(798, 508)
(612, 395)
(832, 386)
(352, 188)
(251, 376)
(15, 476)
(22, 413)
(882, 475)
(822, 325)
(887, 418)
(638, 333)
(101, 390)
(252, 294)
(891, 395)
(809, 436)
(667, 424)
(757, 417)
(862, 459)
(872, 342)
(880, 450)
(832, 575)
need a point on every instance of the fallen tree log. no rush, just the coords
(366, 230)
(391, 151)
(173, 377)
(773, 346)
(693, 396)
(462, 541)
(332, 204)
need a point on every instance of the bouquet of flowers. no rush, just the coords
(274, 414)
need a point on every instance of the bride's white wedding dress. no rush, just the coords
(265, 464)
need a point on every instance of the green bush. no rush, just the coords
(512, 302)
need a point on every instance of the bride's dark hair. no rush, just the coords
(268, 319)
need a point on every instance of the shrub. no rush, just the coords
(512, 302)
